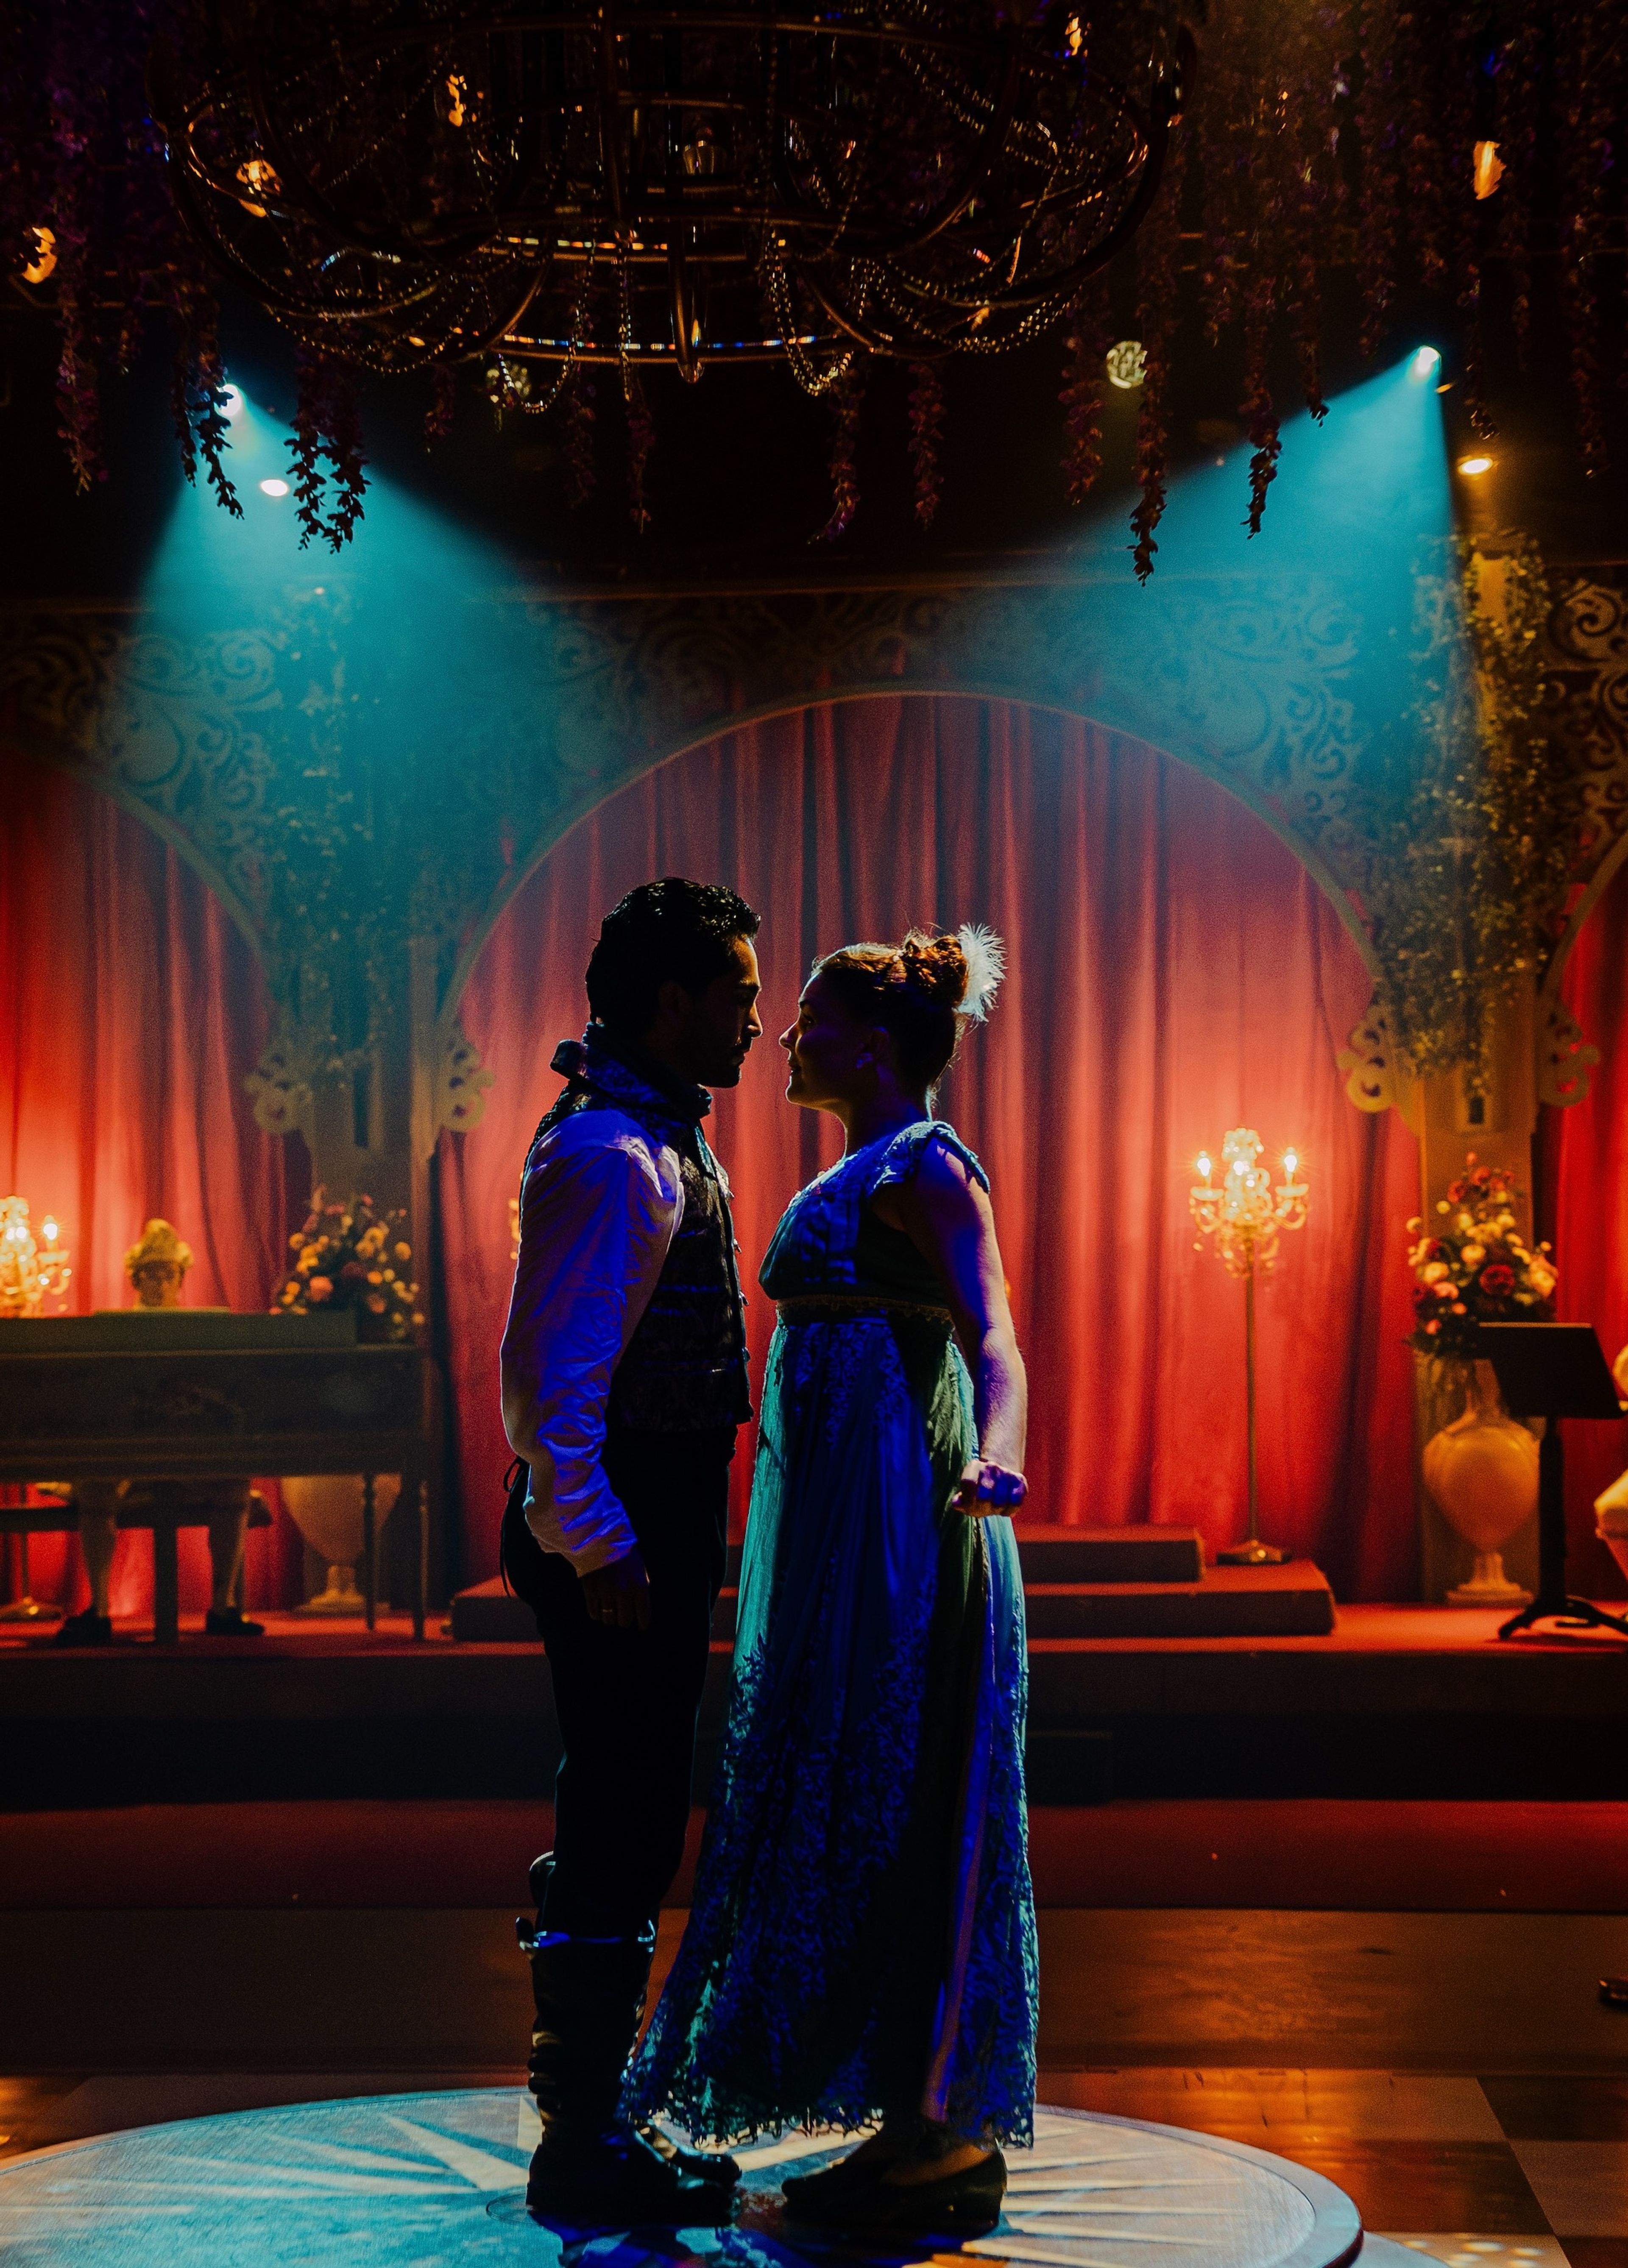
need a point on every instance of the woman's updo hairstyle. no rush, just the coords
(925, 991)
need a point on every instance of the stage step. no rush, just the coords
(1051, 1554)
(488, 1614)
(1144, 1554)
(1290, 1601)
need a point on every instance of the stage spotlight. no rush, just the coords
(44, 262)
(232, 404)
(1425, 363)
(274, 488)
(1473, 467)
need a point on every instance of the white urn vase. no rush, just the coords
(1610, 1519)
(326, 1509)
(1482, 1471)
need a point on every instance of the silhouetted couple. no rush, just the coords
(860, 1949)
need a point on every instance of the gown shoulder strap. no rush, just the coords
(898, 1162)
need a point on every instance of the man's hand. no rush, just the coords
(618, 1596)
(988, 1487)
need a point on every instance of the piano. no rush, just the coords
(193, 1392)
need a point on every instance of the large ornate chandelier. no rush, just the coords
(670, 183)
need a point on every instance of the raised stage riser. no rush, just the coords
(1299, 1719)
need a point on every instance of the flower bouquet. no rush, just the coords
(353, 1256)
(1481, 1468)
(1474, 1268)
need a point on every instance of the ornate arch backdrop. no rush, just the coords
(1175, 970)
(366, 770)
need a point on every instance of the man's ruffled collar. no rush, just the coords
(624, 1072)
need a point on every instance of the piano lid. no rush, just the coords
(175, 1330)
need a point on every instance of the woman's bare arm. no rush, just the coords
(945, 1213)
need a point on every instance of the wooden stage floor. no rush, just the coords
(1280, 1931)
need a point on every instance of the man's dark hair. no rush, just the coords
(671, 930)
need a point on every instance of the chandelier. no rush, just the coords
(653, 185)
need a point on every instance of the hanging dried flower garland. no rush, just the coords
(326, 450)
(926, 414)
(1474, 828)
(1084, 382)
(1416, 143)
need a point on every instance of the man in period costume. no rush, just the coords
(625, 1381)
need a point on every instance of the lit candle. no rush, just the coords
(1291, 1160)
(48, 1228)
(1204, 1166)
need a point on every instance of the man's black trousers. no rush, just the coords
(628, 1700)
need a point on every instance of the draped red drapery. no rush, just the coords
(1174, 972)
(131, 1009)
(1584, 1158)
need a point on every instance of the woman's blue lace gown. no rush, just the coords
(862, 1937)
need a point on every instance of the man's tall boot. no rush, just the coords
(591, 2167)
(714, 2167)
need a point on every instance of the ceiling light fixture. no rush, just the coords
(611, 182)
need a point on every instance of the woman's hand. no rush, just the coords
(988, 1487)
(944, 1211)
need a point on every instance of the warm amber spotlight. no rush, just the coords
(1488, 169)
(1472, 467)
(44, 262)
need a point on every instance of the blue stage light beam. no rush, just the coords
(404, 631)
(1362, 504)
(207, 560)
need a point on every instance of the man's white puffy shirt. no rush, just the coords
(600, 1207)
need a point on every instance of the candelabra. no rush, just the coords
(1246, 1216)
(31, 1272)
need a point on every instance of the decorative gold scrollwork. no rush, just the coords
(1370, 1062)
(461, 1084)
(1565, 1058)
(280, 1089)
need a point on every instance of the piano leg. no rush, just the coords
(419, 1486)
(370, 1552)
(165, 1584)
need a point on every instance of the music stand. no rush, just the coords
(1553, 1371)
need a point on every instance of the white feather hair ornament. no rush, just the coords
(986, 965)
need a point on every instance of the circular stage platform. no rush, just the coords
(437, 2180)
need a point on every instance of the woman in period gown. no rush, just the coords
(861, 1944)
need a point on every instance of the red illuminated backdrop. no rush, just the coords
(131, 1009)
(1173, 970)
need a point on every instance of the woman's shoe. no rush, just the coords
(966, 2204)
(822, 2196)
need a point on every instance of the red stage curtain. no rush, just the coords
(131, 1009)
(1584, 1163)
(1174, 972)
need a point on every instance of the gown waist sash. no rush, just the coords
(859, 1306)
